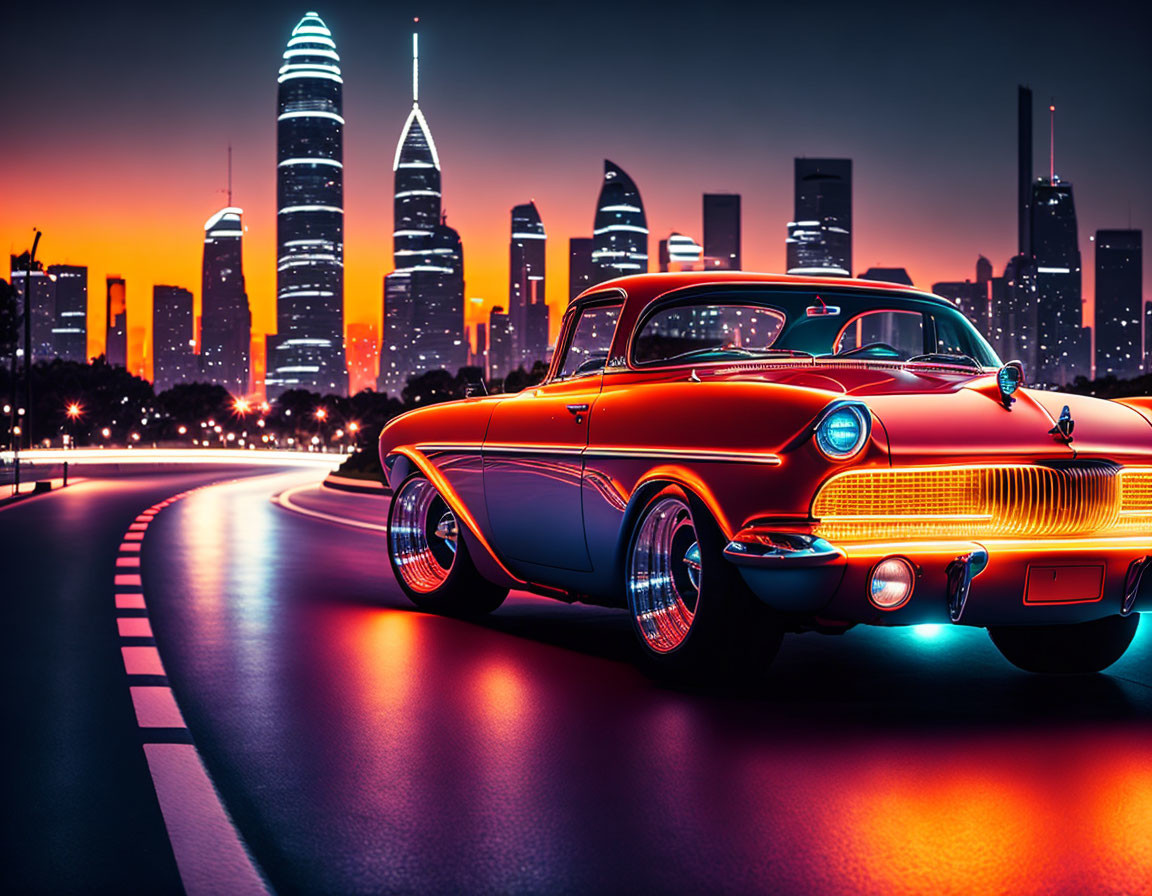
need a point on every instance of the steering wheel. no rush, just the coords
(880, 348)
(590, 364)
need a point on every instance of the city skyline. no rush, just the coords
(937, 242)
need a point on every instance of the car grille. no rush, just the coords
(1008, 501)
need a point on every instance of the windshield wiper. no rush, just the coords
(944, 358)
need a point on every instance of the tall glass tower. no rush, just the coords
(1063, 344)
(1119, 302)
(226, 321)
(819, 238)
(308, 349)
(620, 228)
(526, 307)
(424, 294)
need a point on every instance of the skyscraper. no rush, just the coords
(226, 325)
(70, 332)
(620, 228)
(971, 296)
(680, 253)
(722, 231)
(527, 310)
(581, 271)
(499, 344)
(1063, 348)
(42, 306)
(173, 362)
(424, 294)
(1119, 302)
(819, 238)
(888, 275)
(1024, 170)
(116, 315)
(308, 349)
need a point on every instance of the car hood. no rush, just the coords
(948, 416)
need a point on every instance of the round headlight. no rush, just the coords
(842, 433)
(891, 583)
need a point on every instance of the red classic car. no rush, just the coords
(732, 456)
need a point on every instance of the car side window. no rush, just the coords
(708, 331)
(591, 339)
(883, 335)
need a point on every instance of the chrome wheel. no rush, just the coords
(423, 536)
(664, 568)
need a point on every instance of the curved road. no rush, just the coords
(362, 747)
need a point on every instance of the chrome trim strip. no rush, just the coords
(782, 550)
(736, 457)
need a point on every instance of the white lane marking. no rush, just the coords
(284, 499)
(209, 855)
(142, 661)
(134, 627)
(156, 707)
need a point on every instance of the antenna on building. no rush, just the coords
(229, 175)
(415, 63)
(1051, 143)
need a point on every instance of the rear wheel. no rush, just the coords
(429, 555)
(690, 609)
(1080, 648)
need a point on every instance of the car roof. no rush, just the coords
(648, 286)
(641, 290)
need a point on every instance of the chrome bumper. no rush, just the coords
(963, 582)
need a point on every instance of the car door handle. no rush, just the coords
(577, 409)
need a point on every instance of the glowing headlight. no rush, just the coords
(891, 582)
(843, 432)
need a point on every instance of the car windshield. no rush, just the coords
(737, 324)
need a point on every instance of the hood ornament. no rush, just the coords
(1064, 426)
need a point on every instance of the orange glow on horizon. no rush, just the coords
(120, 211)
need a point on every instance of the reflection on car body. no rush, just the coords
(732, 456)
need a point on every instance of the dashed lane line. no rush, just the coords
(210, 856)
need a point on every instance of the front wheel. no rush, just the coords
(690, 609)
(430, 558)
(1080, 648)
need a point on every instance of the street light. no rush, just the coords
(73, 412)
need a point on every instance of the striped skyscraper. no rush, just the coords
(308, 349)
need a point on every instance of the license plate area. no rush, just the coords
(1064, 584)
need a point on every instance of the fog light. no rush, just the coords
(890, 584)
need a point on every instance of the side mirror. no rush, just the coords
(1009, 378)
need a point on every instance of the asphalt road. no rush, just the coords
(363, 747)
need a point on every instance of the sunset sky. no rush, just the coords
(118, 115)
